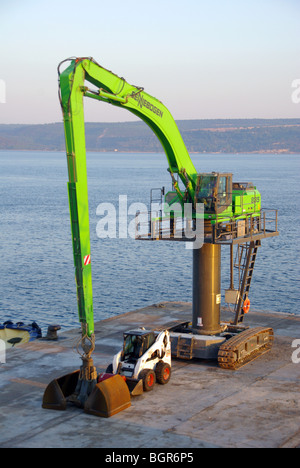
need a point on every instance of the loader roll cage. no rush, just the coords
(136, 343)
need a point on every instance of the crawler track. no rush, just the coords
(245, 347)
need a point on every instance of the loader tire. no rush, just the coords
(149, 379)
(163, 372)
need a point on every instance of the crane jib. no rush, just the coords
(116, 91)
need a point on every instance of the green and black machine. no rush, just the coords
(231, 213)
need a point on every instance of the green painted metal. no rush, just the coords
(239, 199)
(72, 105)
(116, 91)
(110, 88)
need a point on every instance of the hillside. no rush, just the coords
(210, 136)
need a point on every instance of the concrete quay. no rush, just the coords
(203, 406)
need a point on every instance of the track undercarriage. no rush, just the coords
(234, 347)
(245, 347)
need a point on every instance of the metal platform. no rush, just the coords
(156, 227)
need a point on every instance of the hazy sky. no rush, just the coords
(201, 58)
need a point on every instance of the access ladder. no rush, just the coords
(246, 263)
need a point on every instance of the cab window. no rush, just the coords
(222, 191)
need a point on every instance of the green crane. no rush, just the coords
(221, 198)
(116, 91)
(83, 77)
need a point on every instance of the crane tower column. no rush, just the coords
(207, 289)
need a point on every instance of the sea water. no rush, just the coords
(37, 281)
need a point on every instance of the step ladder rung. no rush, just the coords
(185, 347)
(247, 257)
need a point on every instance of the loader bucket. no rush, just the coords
(135, 386)
(57, 392)
(108, 397)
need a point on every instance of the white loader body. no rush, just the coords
(130, 362)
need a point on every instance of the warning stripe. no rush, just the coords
(87, 260)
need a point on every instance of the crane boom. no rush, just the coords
(109, 88)
(116, 91)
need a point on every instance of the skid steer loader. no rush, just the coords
(144, 360)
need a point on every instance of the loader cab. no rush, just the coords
(136, 343)
(214, 190)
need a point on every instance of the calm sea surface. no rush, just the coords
(37, 273)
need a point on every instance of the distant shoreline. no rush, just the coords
(283, 152)
(213, 136)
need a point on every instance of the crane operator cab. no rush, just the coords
(222, 199)
(214, 190)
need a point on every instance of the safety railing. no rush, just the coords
(248, 227)
(154, 225)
